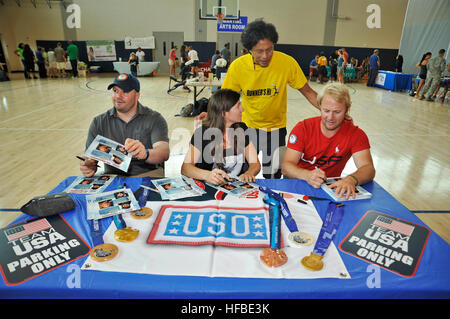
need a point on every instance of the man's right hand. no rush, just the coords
(316, 178)
(88, 167)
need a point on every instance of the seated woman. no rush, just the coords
(220, 147)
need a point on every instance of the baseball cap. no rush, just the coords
(126, 82)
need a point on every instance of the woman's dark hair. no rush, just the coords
(221, 101)
(256, 31)
(424, 56)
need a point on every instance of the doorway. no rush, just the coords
(164, 41)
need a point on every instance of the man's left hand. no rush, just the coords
(136, 148)
(345, 187)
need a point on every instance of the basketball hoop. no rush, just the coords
(219, 17)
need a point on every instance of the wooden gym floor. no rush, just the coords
(44, 124)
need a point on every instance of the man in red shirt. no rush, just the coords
(319, 147)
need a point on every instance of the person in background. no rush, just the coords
(340, 67)
(40, 59)
(30, 60)
(140, 54)
(193, 60)
(226, 53)
(19, 53)
(332, 61)
(313, 67)
(444, 84)
(133, 62)
(436, 66)
(72, 50)
(172, 60)
(52, 71)
(399, 63)
(60, 55)
(213, 61)
(374, 64)
(322, 69)
(422, 65)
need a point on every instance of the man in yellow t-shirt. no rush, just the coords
(322, 67)
(262, 76)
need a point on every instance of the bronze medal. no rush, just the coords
(313, 262)
(104, 252)
(300, 238)
(142, 213)
(126, 234)
(273, 257)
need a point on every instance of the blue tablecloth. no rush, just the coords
(145, 68)
(432, 279)
(393, 81)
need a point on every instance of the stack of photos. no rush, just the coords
(111, 203)
(235, 187)
(90, 185)
(110, 152)
(177, 187)
(361, 193)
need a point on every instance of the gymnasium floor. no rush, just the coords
(44, 124)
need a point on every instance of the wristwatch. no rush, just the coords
(148, 153)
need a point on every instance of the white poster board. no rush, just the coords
(144, 43)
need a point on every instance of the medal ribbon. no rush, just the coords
(96, 232)
(146, 182)
(274, 215)
(333, 218)
(118, 220)
(285, 212)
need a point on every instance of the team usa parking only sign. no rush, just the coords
(389, 242)
(36, 246)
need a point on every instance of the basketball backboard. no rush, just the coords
(214, 9)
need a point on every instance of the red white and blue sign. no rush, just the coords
(211, 225)
(232, 25)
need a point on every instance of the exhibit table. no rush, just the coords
(195, 83)
(393, 81)
(431, 280)
(145, 68)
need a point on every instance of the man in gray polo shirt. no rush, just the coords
(143, 131)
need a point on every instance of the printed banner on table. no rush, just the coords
(389, 242)
(224, 226)
(33, 247)
(380, 79)
(143, 43)
(101, 51)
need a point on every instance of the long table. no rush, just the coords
(432, 279)
(145, 68)
(393, 81)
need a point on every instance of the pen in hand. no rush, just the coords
(83, 159)
(318, 171)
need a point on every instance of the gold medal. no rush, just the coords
(126, 234)
(300, 238)
(313, 262)
(142, 213)
(273, 257)
(104, 252)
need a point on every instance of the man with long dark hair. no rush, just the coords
(262, 77)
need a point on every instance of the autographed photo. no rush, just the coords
(89, 185)
(109, 152)
(111, 203)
